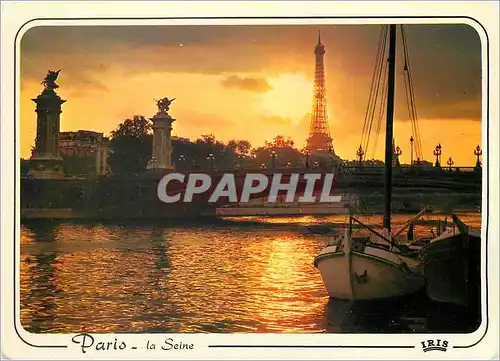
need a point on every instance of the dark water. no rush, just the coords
(200, 277)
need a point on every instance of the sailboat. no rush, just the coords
(374, 266)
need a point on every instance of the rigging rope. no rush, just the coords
(375, 110)
(382, 112)
(367, 121)
(378, 70)
(410, 97)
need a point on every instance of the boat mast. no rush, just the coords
(389, 126)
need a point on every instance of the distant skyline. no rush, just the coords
(255, 82)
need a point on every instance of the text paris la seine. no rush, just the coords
(87, 343)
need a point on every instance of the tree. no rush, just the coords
(131, 146)
(134, 128)
(223, 157)
(187, 153)
(240, 147)
(280, 141)
(284, 151)
(238, 153)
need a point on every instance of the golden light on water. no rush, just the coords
(198, 280)
(289, 306)
(157, 278)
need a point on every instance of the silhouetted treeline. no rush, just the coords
(131, 146)
(131, 149)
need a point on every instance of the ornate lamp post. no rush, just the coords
(411, 150)
(210, 159)
(330, 151)
(360, 153)
(273, 159)
(344, 167)
(397, 153)
(437, 152)
(182, 160)
(478, 152)
(306, 153)
(450, 162)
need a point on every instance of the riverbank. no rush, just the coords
(71, 214)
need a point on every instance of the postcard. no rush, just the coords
(250, 180)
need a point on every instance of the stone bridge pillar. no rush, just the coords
(46, 161)
(162, 144)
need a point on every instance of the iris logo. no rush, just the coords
(434, 345)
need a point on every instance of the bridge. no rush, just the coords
(136, 196)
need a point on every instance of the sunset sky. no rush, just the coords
(254, 82)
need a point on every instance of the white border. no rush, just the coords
(14, 15)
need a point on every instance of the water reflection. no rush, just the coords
(40, 302)
(105, 277)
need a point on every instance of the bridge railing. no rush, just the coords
(340, 168)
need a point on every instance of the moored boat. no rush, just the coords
(374, 267)
(360, 269)
(451, 265)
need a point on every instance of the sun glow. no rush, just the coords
(290, 97)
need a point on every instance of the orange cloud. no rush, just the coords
(258, 85)
(277, 120)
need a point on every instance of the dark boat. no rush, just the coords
(452, 266)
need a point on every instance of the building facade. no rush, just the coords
(86, 144)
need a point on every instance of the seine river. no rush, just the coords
(246, 275)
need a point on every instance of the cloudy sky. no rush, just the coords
(254, 82)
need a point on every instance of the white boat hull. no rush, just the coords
(374, 273)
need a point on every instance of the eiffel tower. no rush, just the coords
(320, 141)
